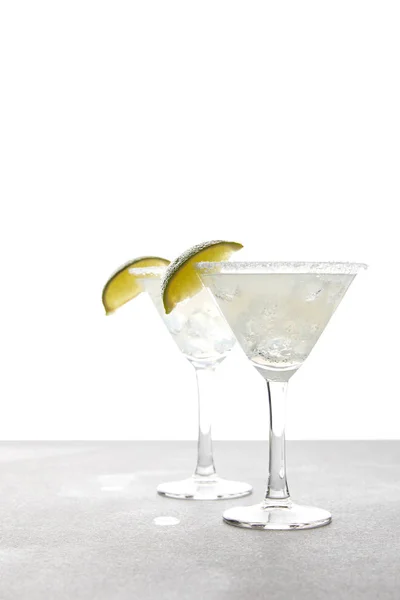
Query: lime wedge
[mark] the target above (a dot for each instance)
(122, 286)
(181, 280)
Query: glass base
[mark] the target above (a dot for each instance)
(277, 515)
(200, 487)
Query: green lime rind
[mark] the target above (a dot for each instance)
(122, 287)
(181, 281)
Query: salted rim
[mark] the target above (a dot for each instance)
(346, 268)
(155, 272)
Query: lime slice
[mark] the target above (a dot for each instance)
(122, 286)
(181, 280)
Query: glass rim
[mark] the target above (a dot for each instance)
(328, 268)
(148, 272)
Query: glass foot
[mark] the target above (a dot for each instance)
(204, 488)
(277, 515)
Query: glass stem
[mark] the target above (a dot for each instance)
(277, 488)
(206, 393)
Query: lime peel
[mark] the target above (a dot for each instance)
(181, 280)
(122, 286)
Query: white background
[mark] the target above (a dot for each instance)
(135, 127)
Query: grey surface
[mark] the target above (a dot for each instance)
(76, 522)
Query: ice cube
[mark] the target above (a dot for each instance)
(175, 322)
(313, 294)
(227, 292)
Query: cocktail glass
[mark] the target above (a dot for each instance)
(205, 339)
(277, 312)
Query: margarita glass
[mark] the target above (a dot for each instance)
(277, 312)
(202, 335)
